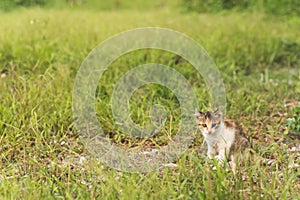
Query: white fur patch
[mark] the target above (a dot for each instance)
(220, 139)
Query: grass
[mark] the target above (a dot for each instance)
(42, 156)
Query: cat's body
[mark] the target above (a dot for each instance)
(225, 139)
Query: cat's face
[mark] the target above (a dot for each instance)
(208, 122)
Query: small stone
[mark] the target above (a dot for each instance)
(170, 165)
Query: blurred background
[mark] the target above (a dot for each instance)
(274, 7)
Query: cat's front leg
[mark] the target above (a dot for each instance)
(211, 152)
(221, 157)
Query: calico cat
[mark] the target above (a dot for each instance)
(225, 139)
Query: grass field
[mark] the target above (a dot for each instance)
(42, 156)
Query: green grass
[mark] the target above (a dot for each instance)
(282, 8)
(41, 152)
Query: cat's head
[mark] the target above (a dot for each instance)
(208, 121)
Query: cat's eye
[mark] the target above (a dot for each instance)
(213, 125)
(204, 125)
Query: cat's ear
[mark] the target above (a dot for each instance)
(218, 113)
(197, 113)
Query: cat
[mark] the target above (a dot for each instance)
(224, 138)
